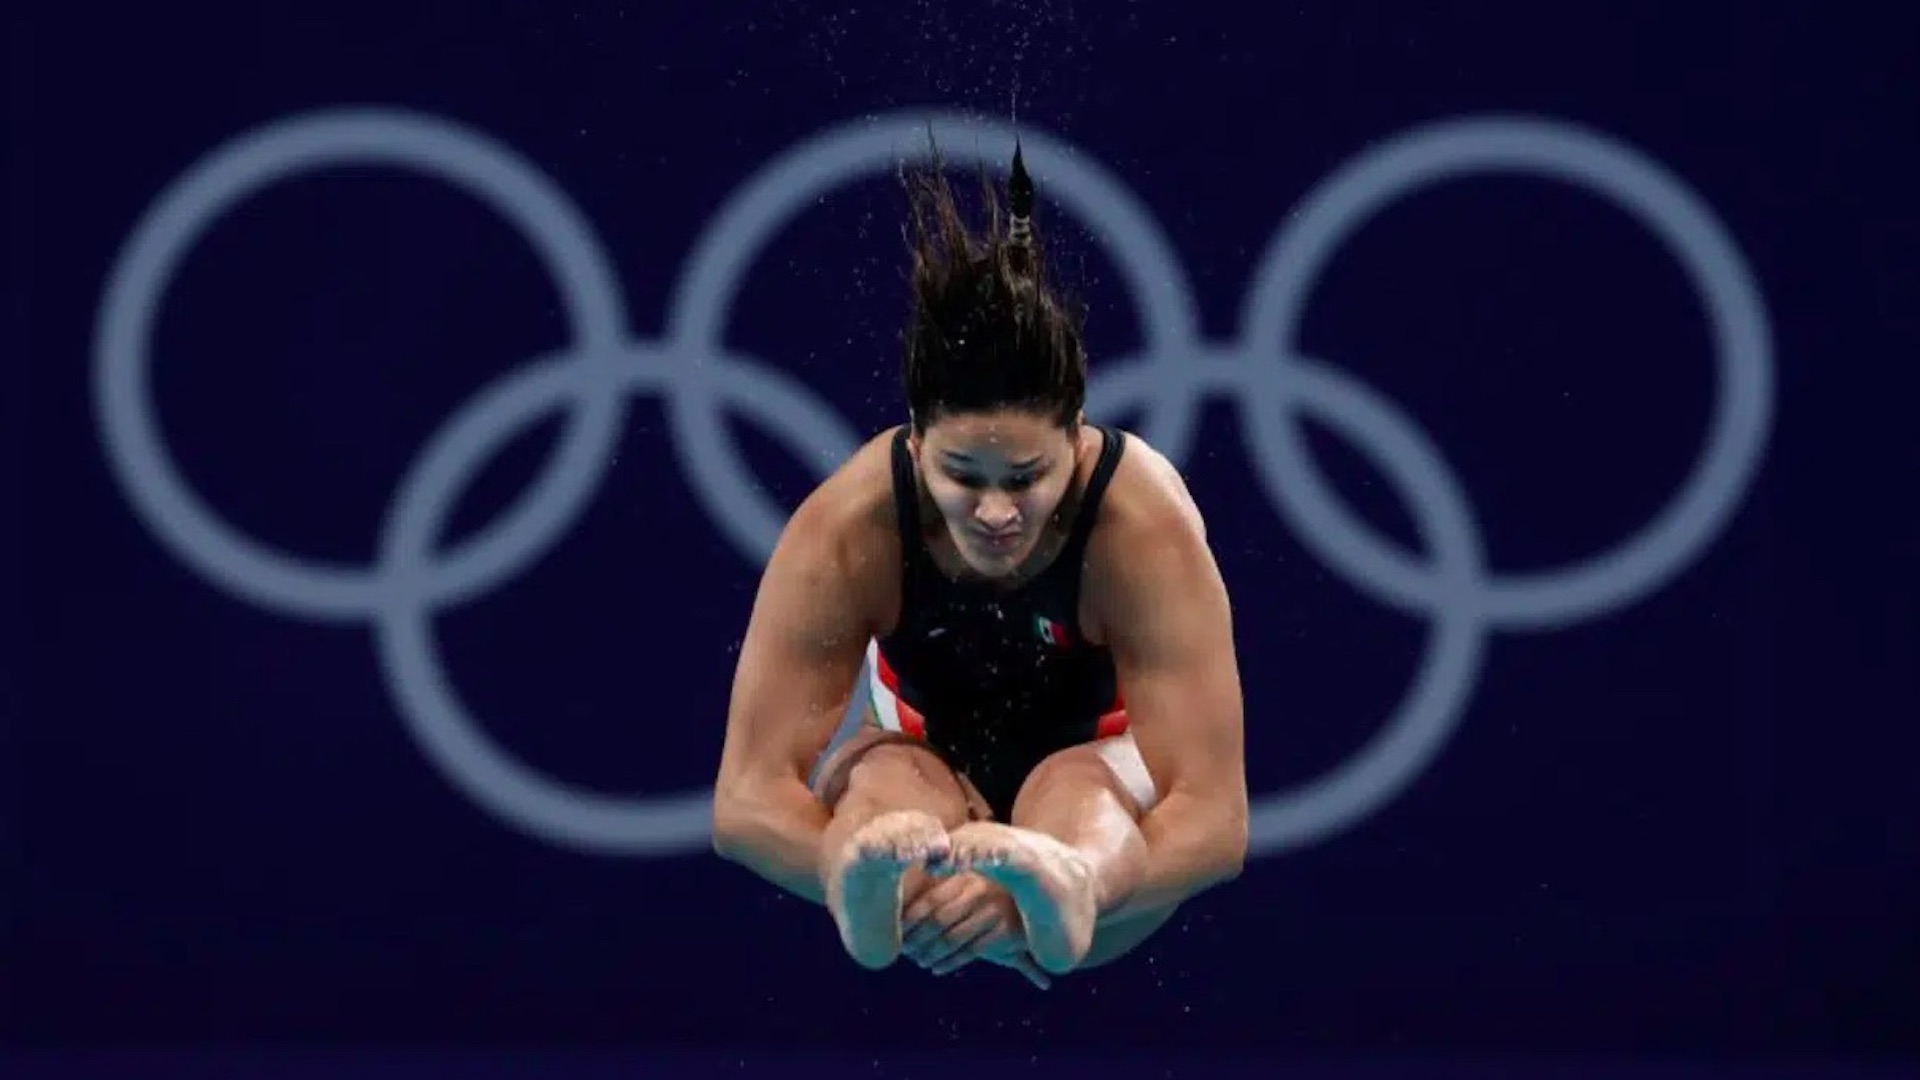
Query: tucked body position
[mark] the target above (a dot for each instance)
(1023, 609)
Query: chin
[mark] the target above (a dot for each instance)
(993, 567)
(994, 562)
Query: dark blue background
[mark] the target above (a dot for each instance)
(1686, 828)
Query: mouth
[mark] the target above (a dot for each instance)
(1001, 542)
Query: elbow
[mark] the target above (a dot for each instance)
(1233, 846)
(1212, 834)
(731, 822)
(1234, 832)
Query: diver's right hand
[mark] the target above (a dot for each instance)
(952, 921)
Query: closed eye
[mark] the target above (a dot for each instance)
(1012, 483)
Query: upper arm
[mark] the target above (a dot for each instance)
(1164, 612)
(802, 652)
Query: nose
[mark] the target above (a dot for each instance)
(996, 513)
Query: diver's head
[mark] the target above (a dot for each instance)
(994, 371)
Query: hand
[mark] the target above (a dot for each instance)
(950, 922)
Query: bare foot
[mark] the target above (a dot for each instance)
(1050, 883)
(863, 881)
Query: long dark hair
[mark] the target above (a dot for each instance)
(986, 331)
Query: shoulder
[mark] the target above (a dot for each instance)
(1147, 502)
(847, 527)
(1149, 541)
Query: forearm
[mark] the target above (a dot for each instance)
(1191, 845)
(774, 831)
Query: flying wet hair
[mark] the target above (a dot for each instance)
(987, 331)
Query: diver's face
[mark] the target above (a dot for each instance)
(996, 478)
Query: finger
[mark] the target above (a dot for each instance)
(924, 941)
(930, 940)
(964, 937)
(938, 916)
(918, 910)
(961, 957)
(917, 886)
(962, 898)
(1035, 974)
(927, 943)
(953, 964)
(926, 902)
(937, 941)
(913, 941)
(920, 938)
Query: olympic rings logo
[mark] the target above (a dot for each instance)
(1263, 372)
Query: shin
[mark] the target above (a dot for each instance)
(879, 773)
(892, 805)
(1074, 797)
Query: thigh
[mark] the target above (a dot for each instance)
(1112, 941)
(865, 744)
(1092, 797)
(1110, 770)
(874, 756)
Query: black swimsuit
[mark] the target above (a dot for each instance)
(996, 679)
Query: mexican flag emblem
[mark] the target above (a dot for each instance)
(1051, 632)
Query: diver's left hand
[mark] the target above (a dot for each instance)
(953, 921)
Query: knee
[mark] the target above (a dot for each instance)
(1071, 782)
(902, 776)
(889, 764)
